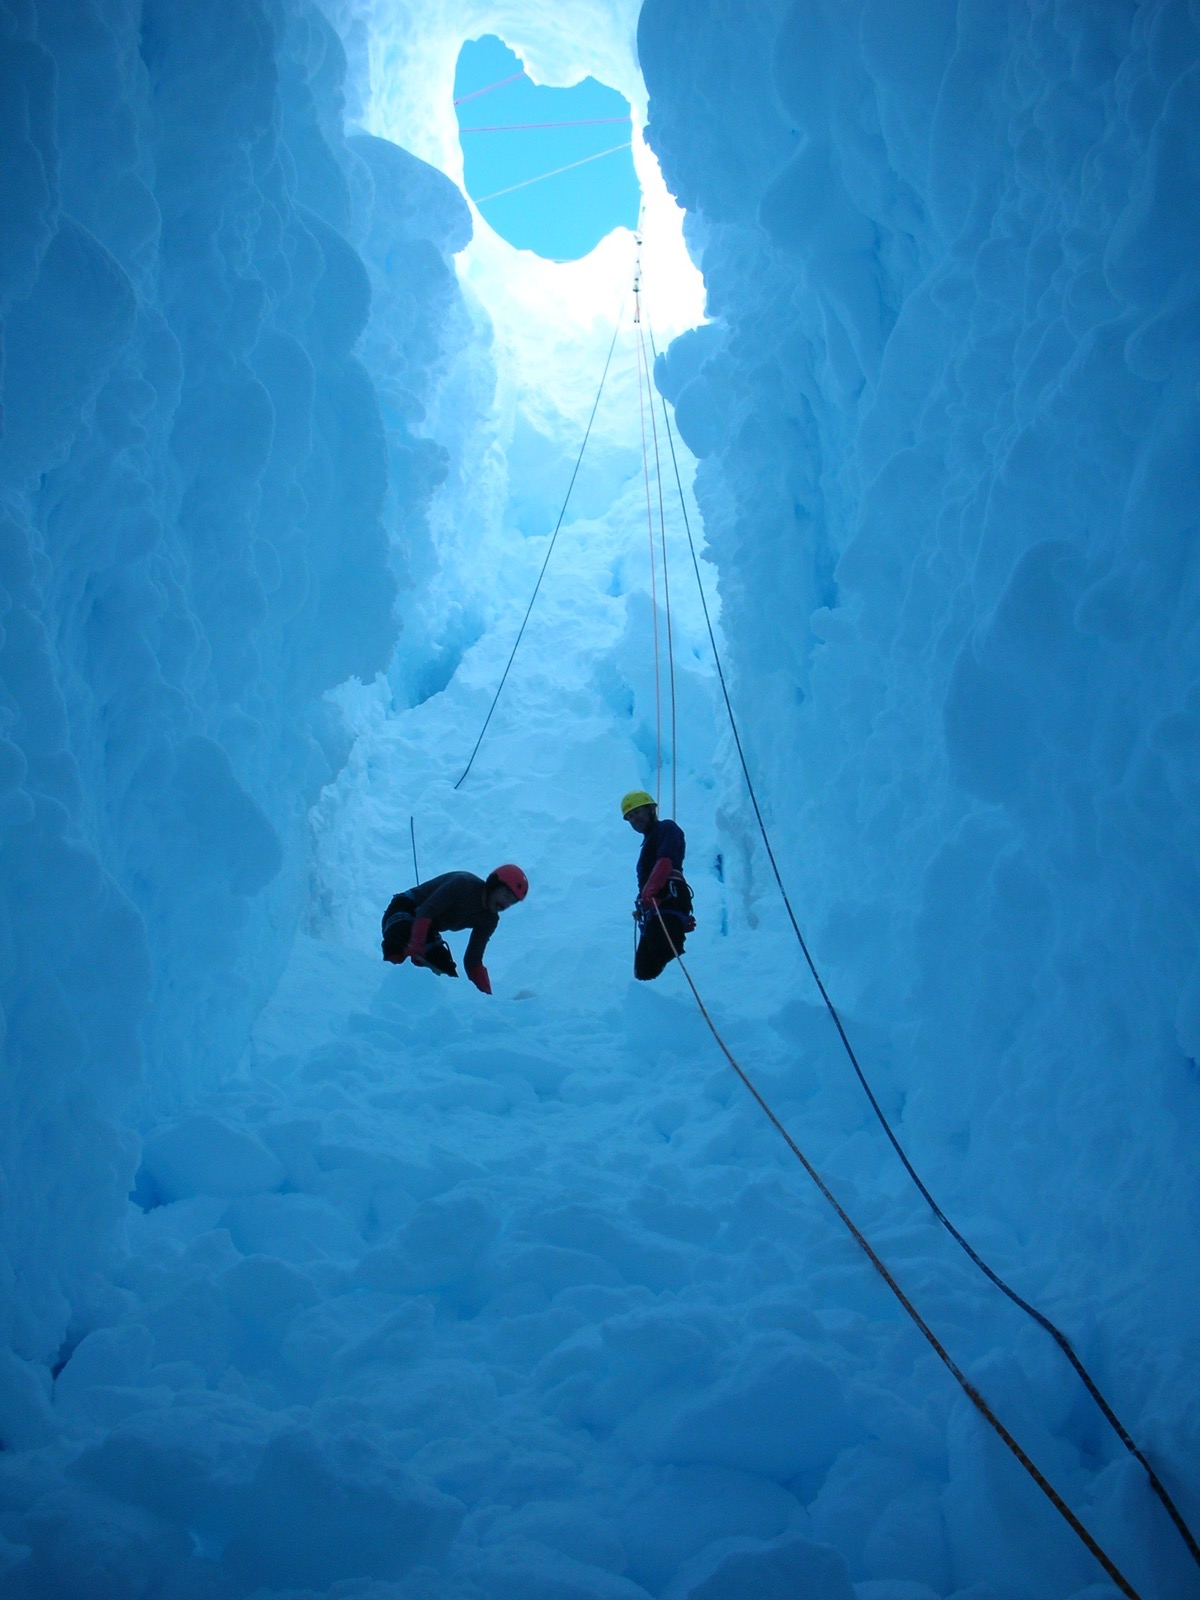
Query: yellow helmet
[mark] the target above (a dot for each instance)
(634, 799)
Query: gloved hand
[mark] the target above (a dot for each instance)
(657, 881)
(417, 942)
(479, 977)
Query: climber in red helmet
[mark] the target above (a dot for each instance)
(414, 921)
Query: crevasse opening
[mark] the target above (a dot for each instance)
(552, 167)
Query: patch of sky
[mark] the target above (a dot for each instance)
(550, 169)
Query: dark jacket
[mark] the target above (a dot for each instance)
(664, 839)
(452, 901)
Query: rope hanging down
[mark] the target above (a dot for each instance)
(644, 372)
(943, 1355)
(650, 532)
(550, 548)
(1044, 1322)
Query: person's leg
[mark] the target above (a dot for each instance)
(438, 956)
(663, 939)
(655, 949)
(397, 931)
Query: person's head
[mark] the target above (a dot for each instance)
(505, 885)
(639, 810)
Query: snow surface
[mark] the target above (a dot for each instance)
(324, 1278)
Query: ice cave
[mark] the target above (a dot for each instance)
(785, 413)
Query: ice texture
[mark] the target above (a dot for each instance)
(946, 414)
(201, 481)
(320, 1278)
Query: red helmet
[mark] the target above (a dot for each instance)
(512, 878)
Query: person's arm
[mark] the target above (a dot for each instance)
(657, 881)
(670, 859)
(476, 945)
(425, 917)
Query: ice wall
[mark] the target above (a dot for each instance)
(948, 420)
(207, 504)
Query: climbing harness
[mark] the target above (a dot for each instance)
(677, 892)
(397, 929)
(943, 1355)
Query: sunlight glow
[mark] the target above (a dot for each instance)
(552, 320)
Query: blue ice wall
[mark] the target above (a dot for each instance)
(947, 414)
(207, 503)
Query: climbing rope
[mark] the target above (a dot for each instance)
(487, 88)
(553, 173)
(550, 548)
(864, 1244)
(523, 127)
(644, 371)
(1044, 1322)
(650, 533)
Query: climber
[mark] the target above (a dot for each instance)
(662, 887)
(415, 920)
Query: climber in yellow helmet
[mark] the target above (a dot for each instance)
(663, 908)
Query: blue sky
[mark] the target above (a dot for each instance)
(564, 216)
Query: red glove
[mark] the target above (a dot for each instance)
(417, 941)
(479, 977)
(657, 881)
